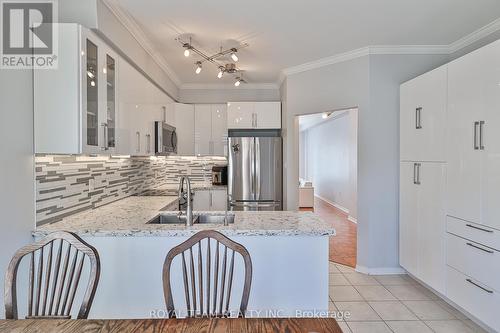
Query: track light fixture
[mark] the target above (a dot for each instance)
(221, 72)
(239, 80)
(233, 54)
(224, 68)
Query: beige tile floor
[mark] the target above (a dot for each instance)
(391, 303)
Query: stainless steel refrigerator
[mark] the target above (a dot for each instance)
(255, 171)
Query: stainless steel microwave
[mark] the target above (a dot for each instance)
(165, 139)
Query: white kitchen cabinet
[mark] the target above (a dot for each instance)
(219, 130)
(75, 105)
(219, 200)
(240, 115)
(423, 117)
(422, 221)
(202, 129)
(201, 200)
(254, 115)
(141, 104)
(473, 144)
(267, 115)
(183, 121)
(210, 200)
(408, 218)
(210, 129)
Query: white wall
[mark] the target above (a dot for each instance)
(17, 202)
(370, 83)
(329, 157)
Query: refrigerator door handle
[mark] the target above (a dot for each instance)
(252, 168)
(257, 169)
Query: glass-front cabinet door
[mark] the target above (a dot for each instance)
(91, 105)
(110, 123)
(99, 96)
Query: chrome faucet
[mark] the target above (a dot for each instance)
(186, 195)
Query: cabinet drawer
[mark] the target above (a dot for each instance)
(483, 304)
(475, 260)
(476, 232)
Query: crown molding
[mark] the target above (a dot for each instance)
(395, 49)
(474, 36)
(229, 86)
(130, 24)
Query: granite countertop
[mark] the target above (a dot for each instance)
(129, 217)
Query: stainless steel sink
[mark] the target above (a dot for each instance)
(201, 219)
(216, 219)
(168, 219)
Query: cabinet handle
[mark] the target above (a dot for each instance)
(105, 133)
(138, 149)
(478, 228)
(481, 134)
(418, 118)
(148, 143)
(480, 287)
(211, 200)
(479, 248)
(476, 124)
(416, 173)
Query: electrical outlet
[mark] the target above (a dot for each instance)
(91, 185)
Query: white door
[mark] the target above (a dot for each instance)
(267, 115)
(201, 200)
(490, 137)
(423, 117)
(219, 130)
(432, 225)
(465, 110)
(219, 200)
(240, 115)
(408, 217)
(203, 129)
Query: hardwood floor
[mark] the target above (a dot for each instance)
(342, 246)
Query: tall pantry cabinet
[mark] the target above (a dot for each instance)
(422, 177)
(459, 255)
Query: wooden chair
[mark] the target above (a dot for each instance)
(52, 287)
(211, 294)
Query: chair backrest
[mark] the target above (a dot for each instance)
(53, 284)
(209, 294)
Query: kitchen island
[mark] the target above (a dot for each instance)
(289, 253)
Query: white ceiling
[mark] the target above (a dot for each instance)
(288, 33)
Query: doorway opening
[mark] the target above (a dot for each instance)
(328, 143)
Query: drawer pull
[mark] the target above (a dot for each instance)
(478, 228)
(480, 287)
(479, 248)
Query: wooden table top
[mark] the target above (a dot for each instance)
(250, 325)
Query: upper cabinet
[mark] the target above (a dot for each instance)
(473, 142)
(210, 129)
(75, 105)
(422, 117)
(181, 116)
(254, 115)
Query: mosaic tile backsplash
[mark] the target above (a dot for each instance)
(67, 184)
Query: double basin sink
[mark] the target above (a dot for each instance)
(197, 219)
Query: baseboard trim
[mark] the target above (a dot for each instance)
(334, 204)
(380, 270)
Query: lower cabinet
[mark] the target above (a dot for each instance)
(210, 200)
(422, 222)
